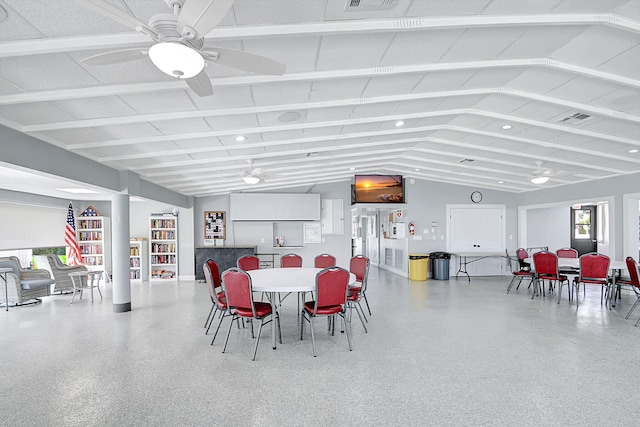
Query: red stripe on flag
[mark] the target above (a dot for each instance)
(70, 239)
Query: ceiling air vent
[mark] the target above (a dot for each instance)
(361, 5)
(575, 118)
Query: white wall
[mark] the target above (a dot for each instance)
(549, 227)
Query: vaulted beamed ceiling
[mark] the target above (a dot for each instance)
(491, 92)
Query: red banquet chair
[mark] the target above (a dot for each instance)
(248, 262)
(633, 283)
(568, 253)
(546, 265)
(518, 275)
(359, 266)
(218, 298)
(330, 300)
(324, 261)
(239, 293)
(290, 261)
(594, 270)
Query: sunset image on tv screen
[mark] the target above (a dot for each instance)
(378, 189)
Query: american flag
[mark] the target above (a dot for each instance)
(70, 239)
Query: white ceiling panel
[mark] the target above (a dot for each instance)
(596, 46)
(352, 51)
(454, 71)
(447, 7)
(326, 90)
(420, 47)
(482, 43)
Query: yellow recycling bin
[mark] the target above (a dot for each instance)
(418, 264)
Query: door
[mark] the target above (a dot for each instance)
(584, 230)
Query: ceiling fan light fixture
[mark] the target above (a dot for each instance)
(539, 179)
(176, 59)
(251, 179)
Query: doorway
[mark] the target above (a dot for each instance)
(584, 229)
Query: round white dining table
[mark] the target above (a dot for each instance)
(294, 279)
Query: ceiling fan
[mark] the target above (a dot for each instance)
(253, 175)
(540, 176)
(178, 37)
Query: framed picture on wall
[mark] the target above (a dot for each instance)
(214, 226)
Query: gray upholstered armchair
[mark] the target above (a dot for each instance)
(24, 285)
(59, 271)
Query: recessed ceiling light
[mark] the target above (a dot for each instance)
(633, 150)
(399, 123)
(289, 116)
(506, 127)
(500, 182)
(77, 190)
(352, 169)
(241, 138)
(417, 170)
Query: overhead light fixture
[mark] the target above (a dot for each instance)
(539, 179)
(399, 123)
(500, 182)
(506, 127)
(633, 151)
(251, 179)
(176, 59)
(417, 170)
(352, 169)
(240, 138)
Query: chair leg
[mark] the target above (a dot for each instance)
(220, 324)
(212, 315)
(632, 308)
(511, 283)
(255, 347)
(358, 309)
(366, 302)
(344, 326)
(228, 333)
(207, 322)
(313, 337)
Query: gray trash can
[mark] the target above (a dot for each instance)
(440, 265)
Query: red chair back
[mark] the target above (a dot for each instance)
(522, 254)
(324, 261)
(290, 261)
(359, 266)
(331, 287)
(632, 266)
(567, 253)
(215, 273)
(237, 287)
(594, 267)
(248, 263)
(546, 263)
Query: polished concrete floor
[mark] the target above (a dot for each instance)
(441, 353)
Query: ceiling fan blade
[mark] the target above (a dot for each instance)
(245, 61)
(203, 15)
(116, 56)
(200, 84)
(115, 13)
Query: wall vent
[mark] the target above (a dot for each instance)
(575, 118)
(361, 5)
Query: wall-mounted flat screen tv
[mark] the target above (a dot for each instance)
(378, 189)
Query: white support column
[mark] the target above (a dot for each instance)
(120, 253)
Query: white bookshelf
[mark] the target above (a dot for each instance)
(94, 239)
(163, 247)
(138, 261)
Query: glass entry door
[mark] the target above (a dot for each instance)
(584, 229)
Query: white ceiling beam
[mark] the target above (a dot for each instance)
(123, 89)
(132, 39)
